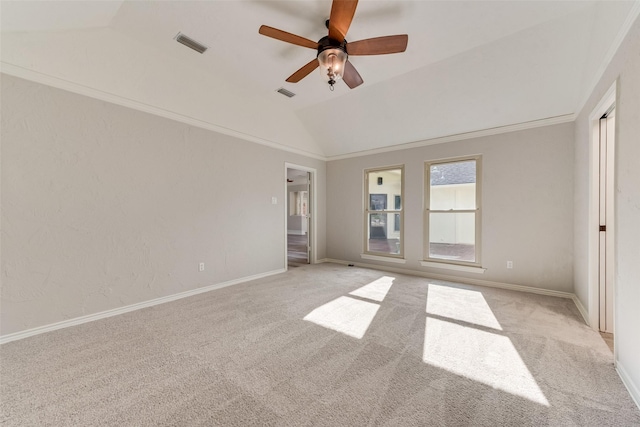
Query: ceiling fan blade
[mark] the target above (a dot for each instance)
(304, 71)
(342, 12)
(379, 45)
(287, 37)
(351, 76)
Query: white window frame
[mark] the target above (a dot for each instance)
(367, 254)
(477, 211)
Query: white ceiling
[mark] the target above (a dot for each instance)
(469, 65)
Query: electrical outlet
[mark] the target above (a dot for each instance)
(509, 264)
(274, 200)
(201, 266)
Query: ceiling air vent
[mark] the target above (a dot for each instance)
(286, 92)
(191, 43)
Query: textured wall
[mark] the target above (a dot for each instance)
(166, 82)
(527, 204)
(104, 206)
(625, 67)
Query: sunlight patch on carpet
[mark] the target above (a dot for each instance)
(376, 290)
(349, 316)
(481, 356)
(461, 304)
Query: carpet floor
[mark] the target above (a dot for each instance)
(323, 345)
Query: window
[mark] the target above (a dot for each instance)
(383, 215)
(452, 211)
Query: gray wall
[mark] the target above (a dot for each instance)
(625, 67)
(527, 205)
(104, 206)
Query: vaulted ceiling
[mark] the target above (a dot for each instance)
(469, 65)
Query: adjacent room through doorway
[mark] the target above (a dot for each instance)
(298, 217)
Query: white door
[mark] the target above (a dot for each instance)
(308, 220)
(299, 234)
(606, 244)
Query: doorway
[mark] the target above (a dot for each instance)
(601, 217)
(605, 241)
(298, 215)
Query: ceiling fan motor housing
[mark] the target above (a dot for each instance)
(332, 57)
(333, 51)
(327, 43)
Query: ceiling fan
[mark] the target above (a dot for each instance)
(334, 50)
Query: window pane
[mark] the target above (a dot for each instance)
(384, 233)
(452, 236)
(385, 189)
(383, 211)
(377, 202)
(453, 185)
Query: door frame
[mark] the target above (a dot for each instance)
(607, 102)
(313, 211)
(607, 237)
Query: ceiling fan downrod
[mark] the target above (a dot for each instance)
(333, 53)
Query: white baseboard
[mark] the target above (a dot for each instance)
(383, 258)
(633, 389)
(121, 310)
(458, 279)
(629, 384)
(114, 312)
(455, 267)
(583, 311)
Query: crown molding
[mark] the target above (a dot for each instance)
(48, 80)
(27, 74)
(462, 136)
(615, 45)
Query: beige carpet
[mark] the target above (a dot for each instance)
(323, 345)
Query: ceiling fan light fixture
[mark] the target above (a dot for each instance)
(332, 62)
(333, 53)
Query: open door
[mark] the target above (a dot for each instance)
(606, 274)
(299, 215)
(308, 217)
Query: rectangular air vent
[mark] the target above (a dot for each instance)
(286, 92)
(191, 43)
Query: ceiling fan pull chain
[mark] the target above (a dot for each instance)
(331, 76)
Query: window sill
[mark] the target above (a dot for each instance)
(383, 258)
(465, 268)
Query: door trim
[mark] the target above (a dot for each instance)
(605, 105)
(313, 199)
(607, 221)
